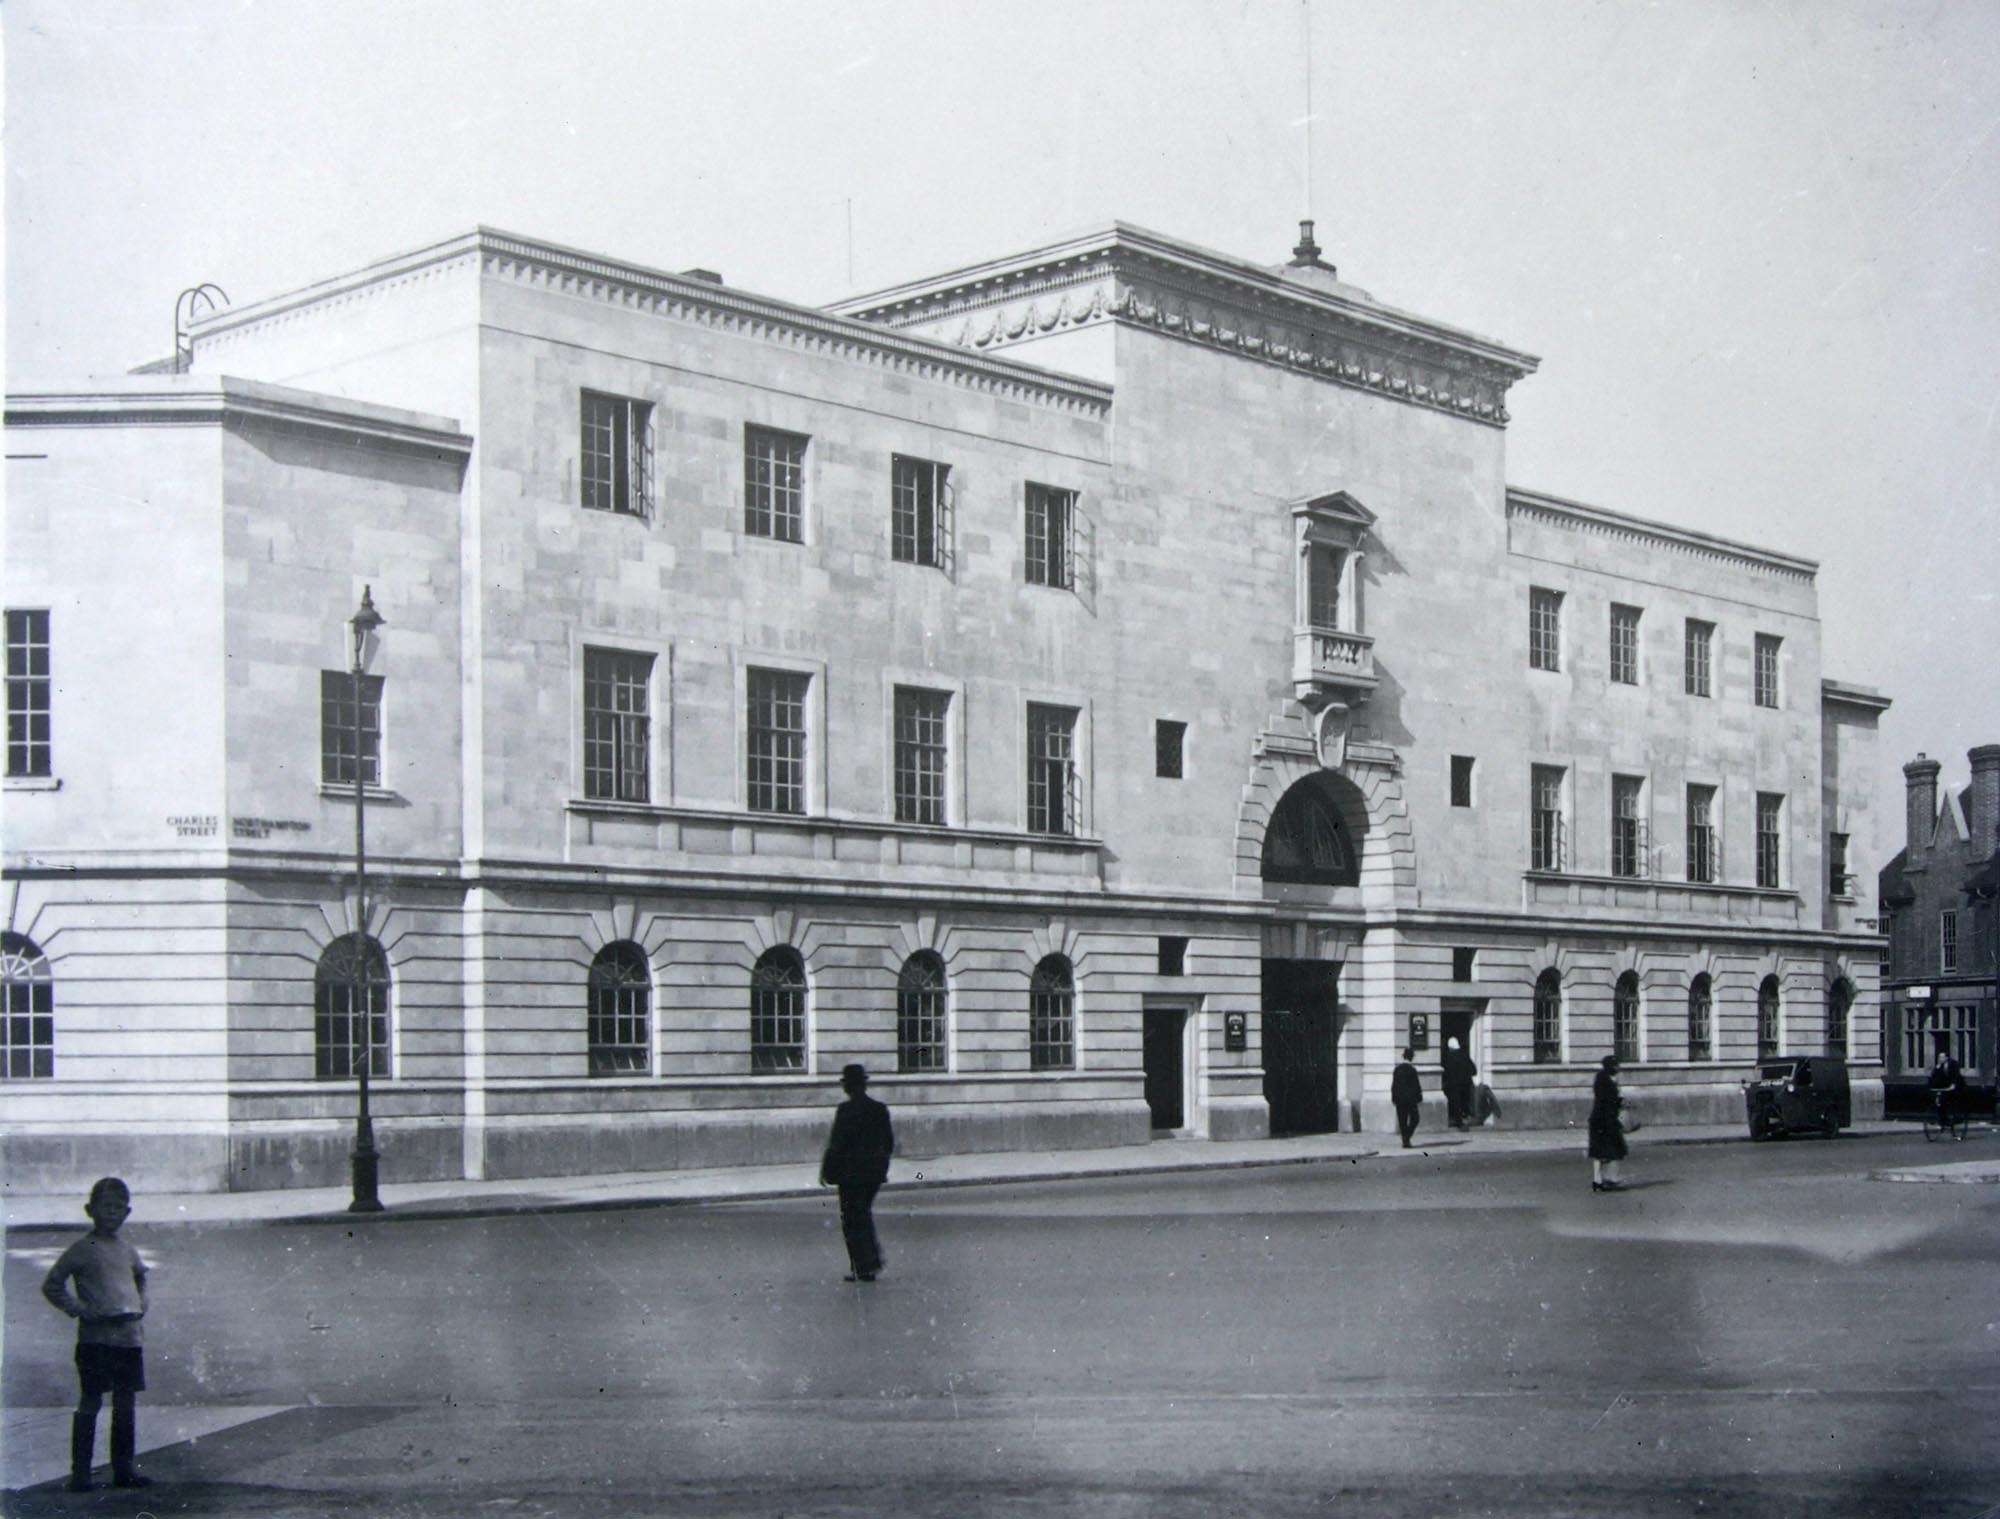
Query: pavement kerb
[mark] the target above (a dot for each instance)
(670, 1190)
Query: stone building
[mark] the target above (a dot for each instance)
(1938, 892)
(1106, 690)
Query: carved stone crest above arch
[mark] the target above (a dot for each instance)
(1288, 752)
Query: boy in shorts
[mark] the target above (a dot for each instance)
(108, 1303)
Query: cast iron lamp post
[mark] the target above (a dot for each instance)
(364, 623)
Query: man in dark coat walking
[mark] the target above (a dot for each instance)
(1406, 1091)
(857, 1162)
(1458, 1073)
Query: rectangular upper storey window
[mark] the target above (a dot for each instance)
(922, 753)
(344, 733)
(1697, 650)
(1053, 793)
(1628, 825)
(1548, 830)
(1544, 629)
(1051, 537)
(28, 742)
(920, 511)
(617, 725)
(774, 484)
(617, 469)
(1767, 669)
(1702, 863)
(1770, 839)
(1624, 645)
(777, 740)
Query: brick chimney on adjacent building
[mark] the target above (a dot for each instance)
(1983, 813)
(1920, 810)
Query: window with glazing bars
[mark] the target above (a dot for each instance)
(1948, 940)
(1701, 1013)
(618, 1028)
(1624, 645)
(1546, 824)
(1701, 861)
(1770, 838)
(1767, 1018)
(337, 729)
(920, 511)
(774, 484)
(1544, 628)
(1926, 1025)
(1548, 1017)
(778, 1012)
(617, 468)
(1051, 536)
(921, 719)
(1628, 825)
(1837, 882)
(920, 1014)
(27, 1011)
(1625, 1017)
(776, 737)
(1324, 566)
(1052, 1016)
(28, 751)
(617, 727)
(1052, 784)
(1767, 670)
(351, 1009)
(1696, 646)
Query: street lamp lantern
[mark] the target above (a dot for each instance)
(364, 623)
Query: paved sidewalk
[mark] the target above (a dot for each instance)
(478, 1199)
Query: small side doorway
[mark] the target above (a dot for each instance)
(1455, 1022)
(1166, 1066)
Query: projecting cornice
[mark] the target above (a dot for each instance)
(656, 293)
(1127, 274)
(218, 400)
(1577, 517)
(1841, 693)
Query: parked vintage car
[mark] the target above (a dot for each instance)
(1797, 1094)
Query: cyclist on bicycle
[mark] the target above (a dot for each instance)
(1947, 1086)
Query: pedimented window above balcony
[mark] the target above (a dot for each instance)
(1333, 657)
(1336, 520)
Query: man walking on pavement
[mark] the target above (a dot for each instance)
(1406, 1091)
(857, 1162)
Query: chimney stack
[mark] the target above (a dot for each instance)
(1920, 778)
(1984, 818)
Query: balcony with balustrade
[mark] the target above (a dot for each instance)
(1331, 664)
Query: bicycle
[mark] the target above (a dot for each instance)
(1945, 1119)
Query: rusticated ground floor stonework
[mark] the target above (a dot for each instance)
(547, 1025)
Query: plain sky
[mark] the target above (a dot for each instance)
(1754, 244)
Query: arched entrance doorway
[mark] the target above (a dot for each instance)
(1313, 840)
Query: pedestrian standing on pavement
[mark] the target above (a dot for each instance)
(1607, 1130)
(1406, 1091)
(1458, 1073)
(108, 1302)
(857, 1162)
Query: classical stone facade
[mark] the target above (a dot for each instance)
(1938, 895)
(1106, 690)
